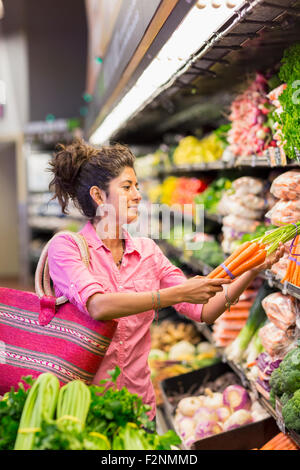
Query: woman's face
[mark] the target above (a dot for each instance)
(124, 196)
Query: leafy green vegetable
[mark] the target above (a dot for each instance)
(286, 378)
(211, 253)
(291, 412)
(211, 197)
(73, 403)
(259, 232)
(40, 405)
(222, 133)
(289, 119)
(255, 319)
(11, 407)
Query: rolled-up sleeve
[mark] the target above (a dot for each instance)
(169, 276)
(69, 274)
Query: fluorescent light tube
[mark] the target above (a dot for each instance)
(186, 40)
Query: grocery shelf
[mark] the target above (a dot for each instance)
(253, 161)
(252, 39)
(286, 287)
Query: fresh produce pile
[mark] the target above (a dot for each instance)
(77, 417)
(177, 190)
(288, 114)
(279, 442)
(242, 207)
(228, 326)
(285, 385)
(246, 347)
(211, 413)
(177, 349)
(250, 132)
(192, 150)
(210, 253)
(211, 197)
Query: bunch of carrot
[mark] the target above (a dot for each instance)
(245, 257)
(292, 274)
(280, 442)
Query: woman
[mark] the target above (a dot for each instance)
(128, 277)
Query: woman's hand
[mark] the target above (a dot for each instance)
(270, 260)
(199, 289)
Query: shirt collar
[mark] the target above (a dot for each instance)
(92, 238)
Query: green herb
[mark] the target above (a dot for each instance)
(222, 133)
(289, 119)
(11, 407)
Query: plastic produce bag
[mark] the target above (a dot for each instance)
(233, 204)
(287, 185)
(279, 268)
(275, 341)
(240, 224)
(280, 309)
(284, 212)
(246, 185)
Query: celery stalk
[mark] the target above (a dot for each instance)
(73, 404)
(40, 404)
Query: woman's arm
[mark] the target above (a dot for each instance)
(197, 290)
(216, 305)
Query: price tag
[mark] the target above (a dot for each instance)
(279, 418)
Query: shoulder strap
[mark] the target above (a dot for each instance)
(42, 276)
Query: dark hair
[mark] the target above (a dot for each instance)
(79, 166)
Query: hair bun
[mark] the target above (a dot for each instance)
(65, 166)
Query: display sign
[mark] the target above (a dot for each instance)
(133, 20)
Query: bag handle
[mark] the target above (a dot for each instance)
(42, 276)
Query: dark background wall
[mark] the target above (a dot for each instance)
(56, 33)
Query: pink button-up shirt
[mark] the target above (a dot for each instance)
(144, 268)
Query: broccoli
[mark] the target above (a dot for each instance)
(291, 412)
(285, 397)
(286, 378)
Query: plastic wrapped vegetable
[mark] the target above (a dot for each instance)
(246, 184)
(284, 212)
(236, 398)
(232, 204)
(287, 185)
(280, 309)
(241, 224)
(274, 340)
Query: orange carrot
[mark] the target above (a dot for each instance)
(214, 274)
(258, 259)
(244, 256)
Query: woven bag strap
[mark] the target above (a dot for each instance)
(42, 276)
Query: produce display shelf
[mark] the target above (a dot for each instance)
(253, 162)
(286, 288)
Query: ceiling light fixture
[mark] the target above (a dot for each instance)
(197, 27)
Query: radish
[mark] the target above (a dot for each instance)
(236, 398)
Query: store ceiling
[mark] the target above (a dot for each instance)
(202, 96)
(56, 34)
